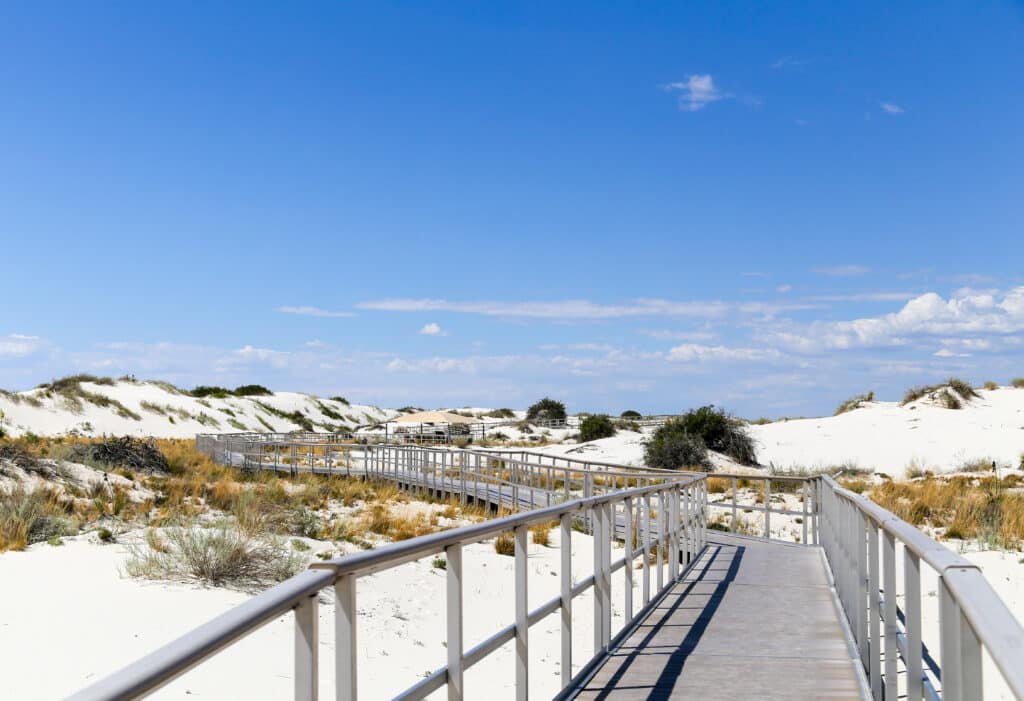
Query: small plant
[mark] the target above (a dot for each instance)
(300, 545)
(503, 413)
(541, 534)
(855, 403)
(596, 426)
(439, 563)
(630, 414)
(105, 535)
(251, 391)
(505, 544)
(1017, 382)
(340, 399)
(991, 386)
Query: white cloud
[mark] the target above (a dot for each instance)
(890, 108)
(18, 345)
(866, 297)
(926, 315)
(947, 353)
(700, 335)
(842, 270)
(697, 92)
(313, 311)
(432, 329)
(568, 309)
(695, 352)
(783, 289)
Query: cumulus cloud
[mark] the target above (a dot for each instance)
(696, 92)
(313, 311)
(926, 315)
(432, 329)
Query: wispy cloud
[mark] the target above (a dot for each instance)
(695, 352)
(432, 329)
(567, 309)
(842, 270)
(696, 92)
(787, 62)
(866, 297)
(890, 108)
(783, 289)
(18, 345)
(313, 311)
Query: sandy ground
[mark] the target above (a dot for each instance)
(96, 619)
(182, 415)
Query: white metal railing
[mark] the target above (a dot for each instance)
(860, 541)
(667, 519)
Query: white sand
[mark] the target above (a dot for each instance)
(183, 415)
(82, 616)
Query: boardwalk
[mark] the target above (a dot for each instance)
(752, 620)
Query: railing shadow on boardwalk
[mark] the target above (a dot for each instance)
(662, 687)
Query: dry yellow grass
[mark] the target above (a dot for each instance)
(505, 544)
(987, 508)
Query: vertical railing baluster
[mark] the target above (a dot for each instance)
(453, 567)
(346, 681)
(733, 524)
(803, 521)
(767, 508)
(647, 547)
(566, 599)
(522, 616)
(891, 629)
(875, 653)
(912, 614)
(660, 519)
(627, 536)
(307, 644)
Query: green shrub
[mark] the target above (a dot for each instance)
(501, 414)
(596, 426)
(211, 391)
(339, 399)
(630, 414)
(991, 385)
(251, 391)
(1017, 382)
(720, 432)
(673, 448)
(546, 409)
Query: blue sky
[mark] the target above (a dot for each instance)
(768, 207)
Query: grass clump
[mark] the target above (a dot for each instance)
(596, 426)
(505, 544)
(991, 385)
(854, 402)
(950, 395)
(503, 413)
(1017, 382)
(220, 556)
(542, 533)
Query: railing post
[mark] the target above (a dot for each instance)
(522, 616)
(889, 598)
(767, 508)
(860, 533)
(912, 613)
(734, 514)
(875, 653)
(661, 540)
(307, 644)
(346, 682)
(803, 521)
(627, 534)
(453, 566)
(566, 599)
(598, 535)
(647, 547)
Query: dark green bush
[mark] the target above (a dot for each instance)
(630, 414)
(672, 447)
(546, 409)
(596, 426)
(251, 391)
(718, 431)
(211, 391)
(501, 414)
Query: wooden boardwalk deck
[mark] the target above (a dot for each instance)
(751, 620)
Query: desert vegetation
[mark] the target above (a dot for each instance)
(854, 402)
(685, 441)
(596, 426)
(182, 516)
(952, 394)
(546, 409)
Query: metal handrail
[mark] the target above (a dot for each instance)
(972, 617)
(678, 539)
